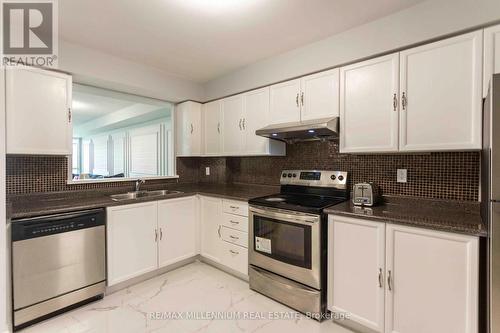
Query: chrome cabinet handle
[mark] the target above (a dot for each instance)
(156, 235)
(234, 222)
(244, 123)
(380, 278)
(404, 101)
(302, 99)
(395, 102)
(161, 234)
(192, 128)
(218, 231)
(240, 124)
(234, 207)
(234, 252)
(218, 128)
(297, 100)
(69, 115)
(389, 281)
(233, 237)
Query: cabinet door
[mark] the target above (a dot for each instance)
(320, 95)
(131, 241)
(212, 127)
(211, 217)
(491, 55)
(232, 120)
(177, 224)
(356, 264)
(441, 95)
(188, 120)
(38, 119)
(234, 257)
(368, 112)
(256, 116)
(433, 281)
(285, 102)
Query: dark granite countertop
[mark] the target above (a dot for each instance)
(22, 206)
(443, 215)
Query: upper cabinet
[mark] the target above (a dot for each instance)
(314, 96)
(212, 126)
(189, 129)
(491, 55)
(438, 101)
(319, 96)
(368, 105)
(232, 119)
(285, 102)
(38, 112)
(441, 95)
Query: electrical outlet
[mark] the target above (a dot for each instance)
(402, 175)
(207, 171)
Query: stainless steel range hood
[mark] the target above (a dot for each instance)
(309, 130)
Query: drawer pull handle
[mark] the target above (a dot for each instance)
(234, 252)
(234, 207)
(234, 222)
(233, 237)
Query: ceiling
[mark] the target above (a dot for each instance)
(203, 39)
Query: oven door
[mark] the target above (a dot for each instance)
(287, 243)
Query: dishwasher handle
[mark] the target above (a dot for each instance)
(58, 223)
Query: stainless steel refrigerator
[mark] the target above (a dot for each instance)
(490, 197)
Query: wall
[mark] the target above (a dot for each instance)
(427, 20)
(103, 70)
(444, 175)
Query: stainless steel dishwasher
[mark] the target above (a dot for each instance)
(58, 262)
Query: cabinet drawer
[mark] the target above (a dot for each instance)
(235, 222)
(235, 207)
(235, 257)
(235, 236)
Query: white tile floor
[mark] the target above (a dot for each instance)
(195, 288)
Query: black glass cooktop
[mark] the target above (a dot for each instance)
(298, 202)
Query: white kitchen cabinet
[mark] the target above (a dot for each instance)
(177, 228)
(131, 241)
(189, 129)
(319, 96)
(211, 218)
(491, 55)
(38, 112)
(285, 102)
(233, 138)
(441, 95)
(389, 282)
(235, 257)
(356, 268)
(368, 105)
(212, 127)
(434, 281)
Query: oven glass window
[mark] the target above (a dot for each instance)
(284, 241)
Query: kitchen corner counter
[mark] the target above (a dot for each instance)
(460, 217)
(30, 205)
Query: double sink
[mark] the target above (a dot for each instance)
(142, 194)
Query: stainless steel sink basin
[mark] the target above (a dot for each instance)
(142, 194)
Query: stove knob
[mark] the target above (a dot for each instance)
(289, 175)
(341, 178)
(284, 175)
(294, 175)
(332, 177)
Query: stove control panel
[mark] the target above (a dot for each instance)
(321, 178)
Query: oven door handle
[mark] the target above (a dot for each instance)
(302, 218)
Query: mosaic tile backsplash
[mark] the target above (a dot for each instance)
(444, 175)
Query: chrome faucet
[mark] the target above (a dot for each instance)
(138, 184)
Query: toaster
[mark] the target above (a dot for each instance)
(365, 194)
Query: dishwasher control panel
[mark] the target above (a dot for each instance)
(55, 224)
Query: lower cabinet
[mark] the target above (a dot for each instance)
(392, 278)
(178, 230)
(224, 233)
(131, 241)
